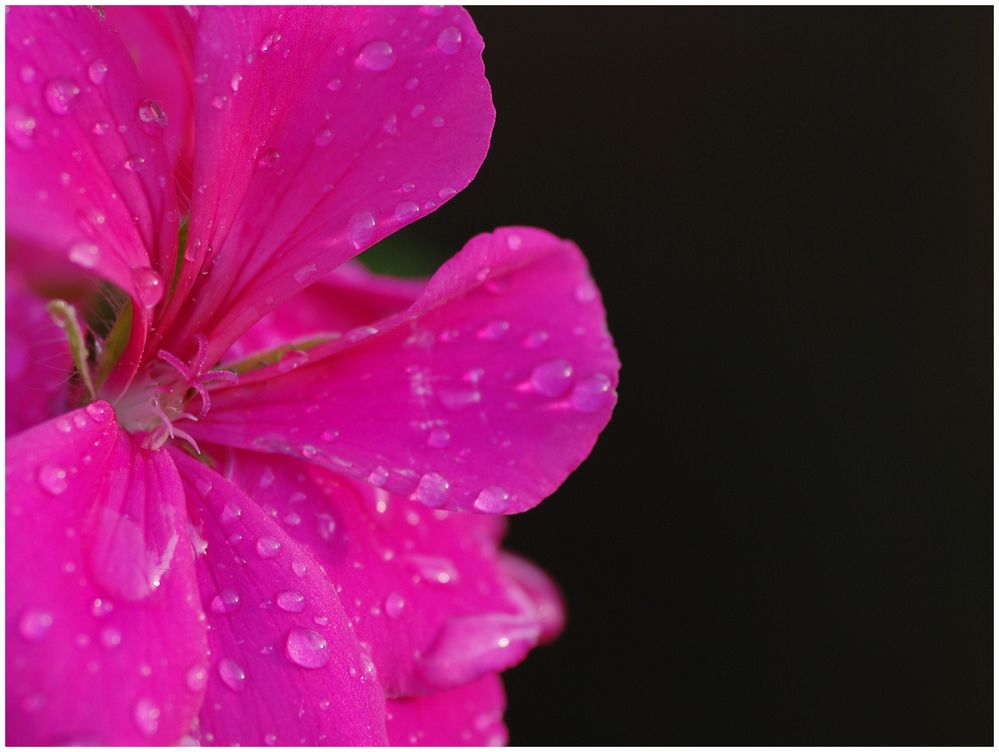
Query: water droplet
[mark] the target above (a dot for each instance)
(552, 378)
(535, 339)
(225, 602)
(299, 568)
(378, 477)
(147, 717)
(377, 56)
(266, 478)
(270, 739)
(585, 292)
(197, 678)
(405, 210)
(99, 411)
(52, 478)
(101, 607)
(334, 84)
(436, 569)
(432, 490)
(418, 109)
(361, 228)
(591, 393)
(408, 187)
(60, 94)
(324, 704)
(20, 126)
(110, 637)
(412, 83)
(269, 158)
(85, 254)
(27, 74)
(394, 604)
(135, 163)
(307, 648)
(458, 399)
(34, 624)
(290, 601)
(151, 114)
(325, 526)
(268, 547)
(449, 40)
(148, 286)
(438, 438)
(232, 675)
(330, 436)
(234, 82)
(324, 137)
(446, 192)
(492, 500)
(304, 272)
(218, 102)
(270, 42)
(391, 124)
(494, 331)
(437, 122)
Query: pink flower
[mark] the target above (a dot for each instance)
(300, 546)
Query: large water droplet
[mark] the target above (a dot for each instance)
(377, 56)
(361, 228)
(97, 71)
(34, 624)
(432, 490)
(394, 604)
(60, 94)
(438, 438)
(232, 675)
(406, 210)
(148, 286)
(492, 500)
(290, 601)
(552, 378)
(85, 254)
(591, 393)
(151, 114)
(197, 678)
(268, 547)
(20, 126)
(147, 717)
(52, 479)
(449, 40)
(225, 602)
(307, 648)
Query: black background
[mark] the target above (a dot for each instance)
(785, 534)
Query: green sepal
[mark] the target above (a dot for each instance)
(64, 315)
(115, 344)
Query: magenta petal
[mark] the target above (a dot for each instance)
(348, 297)
(87, 171)
(470, 715)
(320, 131)
(543, 595)
(287, 667)
(102, 613)
(38, 360)
(423, 588)
(482, 396)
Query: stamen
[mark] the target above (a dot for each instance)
(177, 363)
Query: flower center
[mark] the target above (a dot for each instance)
(163, 396)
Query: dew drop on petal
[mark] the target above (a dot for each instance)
(20, 126)
(449, 40)
(269, 158)
(225, 602)
(492, 500)
(458, 399)
(361, 228)
(552, 378)
(235, 81)
(405, 210)
(432, 490)
(135, 163)
(34, 624)
(592, 393)
(303, 273)
(438, 438)
(378, 477)
(585, 292)
(148, 286)
(110, 637)
(232, 675)
(85, 254)
(197, 678)
(394, 604)
(377, 56)
(52, 479)
(334, 84)
(268, 547)
(147, 717)
(150, 112)
(60, 94)
(307, 648)
(291, 601)
(535, 339)
(493, 331)
(299, 568)
(324, 137)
